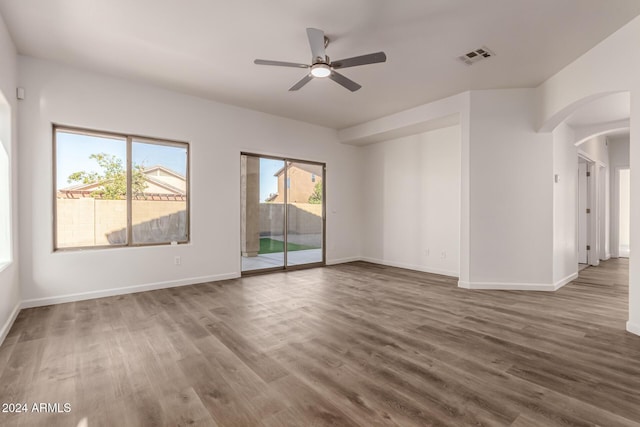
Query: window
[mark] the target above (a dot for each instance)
(5, 184)
(114, 190)
(5, 207)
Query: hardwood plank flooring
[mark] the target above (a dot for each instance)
(350, 345)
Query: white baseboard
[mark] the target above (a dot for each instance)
(634, 328)
(411, 267)
(560, 283)
(38, 302)
(506, 286)
(9, 323)
(343, 260)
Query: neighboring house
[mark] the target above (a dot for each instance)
(301, 182)
(161, 180)
(162, 183)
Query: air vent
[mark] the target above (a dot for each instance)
(474, 56)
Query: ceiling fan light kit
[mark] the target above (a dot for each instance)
(320, 70)
(321, 66)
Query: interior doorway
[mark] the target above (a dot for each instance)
(591, 212)
(584, 211)
(282, 213)
(603, 208)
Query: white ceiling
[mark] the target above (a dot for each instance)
(207, 47)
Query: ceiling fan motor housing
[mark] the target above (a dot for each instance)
(321, 60)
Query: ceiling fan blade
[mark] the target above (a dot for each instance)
(316, 41)
(371, 58)
(306, 79)
(343, 81)
(279, 63)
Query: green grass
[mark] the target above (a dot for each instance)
(269, 246)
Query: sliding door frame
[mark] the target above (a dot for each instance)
(286, 267)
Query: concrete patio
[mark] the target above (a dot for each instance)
(276, 259)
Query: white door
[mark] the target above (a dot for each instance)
(582, 212)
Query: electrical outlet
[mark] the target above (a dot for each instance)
(177, 260)
(443, 254)
(426, 252)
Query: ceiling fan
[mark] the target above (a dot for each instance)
(321, 66)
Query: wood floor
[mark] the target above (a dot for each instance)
(354, 344)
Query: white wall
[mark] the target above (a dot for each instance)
(611, 66)
(411, 201)
(217, 133)
(618, 151)
(9, 284)
(506, 227)
(565, 164)
(417, 120)
(623, 209)
(511, 193)
(618, 159)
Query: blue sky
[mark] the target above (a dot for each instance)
(73, 151)
(268, 182)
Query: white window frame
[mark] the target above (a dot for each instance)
(129, 138)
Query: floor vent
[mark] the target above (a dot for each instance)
(474, 56)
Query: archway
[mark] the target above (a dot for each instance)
(596, 132)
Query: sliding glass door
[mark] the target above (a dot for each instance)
(304, 213)
(282, 213)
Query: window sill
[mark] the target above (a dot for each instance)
(4, 265)
(114, 247)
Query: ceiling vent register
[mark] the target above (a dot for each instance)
(474, 56)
